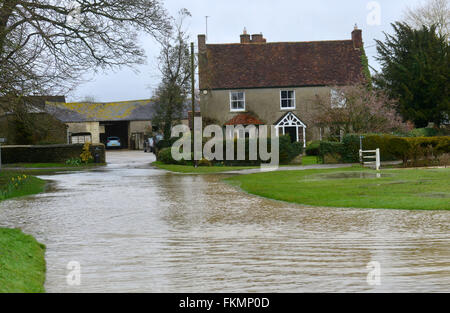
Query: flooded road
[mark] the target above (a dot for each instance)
(133, 228)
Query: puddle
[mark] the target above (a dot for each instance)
(348, 175)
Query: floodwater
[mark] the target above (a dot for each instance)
(133, 228)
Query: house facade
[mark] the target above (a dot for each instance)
(256, 82)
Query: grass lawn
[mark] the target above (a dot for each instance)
(22, 258)
(32, 185)
(309, 160)
(408, 189)
(22, 263)
(188, 169)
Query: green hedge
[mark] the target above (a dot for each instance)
(411, 150)
(48, 154)
(288, 152)
(313, 149)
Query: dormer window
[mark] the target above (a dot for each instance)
(287, 99)
(237, 101)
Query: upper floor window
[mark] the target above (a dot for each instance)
(287, 99)
(237, 101)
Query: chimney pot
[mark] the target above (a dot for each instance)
(258, 38)
(245, 38)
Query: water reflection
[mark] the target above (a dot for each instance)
(138, 229)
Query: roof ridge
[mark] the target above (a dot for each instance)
(278, 42)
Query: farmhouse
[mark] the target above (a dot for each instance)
(255, 82)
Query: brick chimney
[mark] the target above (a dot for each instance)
(202, 44)
(357, 38)
(258, 38)
(245, 38)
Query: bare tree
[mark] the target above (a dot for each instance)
(357, 109)
(175, 68)
(433, 12)
(46, 45)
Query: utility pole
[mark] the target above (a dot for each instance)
(207, 17)
(193, 96)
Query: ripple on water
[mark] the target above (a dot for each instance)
(137, 229)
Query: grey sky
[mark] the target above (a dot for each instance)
(278, 20)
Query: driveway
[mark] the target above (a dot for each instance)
(133, 228)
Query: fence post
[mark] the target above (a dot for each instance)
(2, 140)
(378, 160)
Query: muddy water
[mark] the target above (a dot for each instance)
(137, 229)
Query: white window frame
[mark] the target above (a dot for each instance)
(293, 100)
(231, 101)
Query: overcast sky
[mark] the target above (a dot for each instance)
(278, 20)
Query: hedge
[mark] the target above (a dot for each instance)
(48, 153)
(288, 152)
(313, 149)
(411, 150)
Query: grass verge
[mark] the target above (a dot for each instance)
(406, 189)
(188, 169)
(22, 263)
(31, 186)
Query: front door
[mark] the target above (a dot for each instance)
(292, 132)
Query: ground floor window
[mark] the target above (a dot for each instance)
(80, 138)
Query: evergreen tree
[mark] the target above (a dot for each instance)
(415, 70)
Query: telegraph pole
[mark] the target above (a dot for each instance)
(207, 17)
(193, 96)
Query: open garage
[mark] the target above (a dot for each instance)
(115, 129)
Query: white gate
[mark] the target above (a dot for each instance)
(375, 155)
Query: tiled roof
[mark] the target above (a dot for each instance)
(283, 64)
(140, 110)
(244, 119)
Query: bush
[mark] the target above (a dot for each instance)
(288, 152)
(313, 149)
(411, 150)
(74, 162)
(423, 132)
(331, 152)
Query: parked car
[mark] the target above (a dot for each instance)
(113, 142)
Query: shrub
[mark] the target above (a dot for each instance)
(331, 150)
(423, 132)
(411, 150)
(86, 155)
(288, 152)
(73, 162)
(204, 162)
(313, 149)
